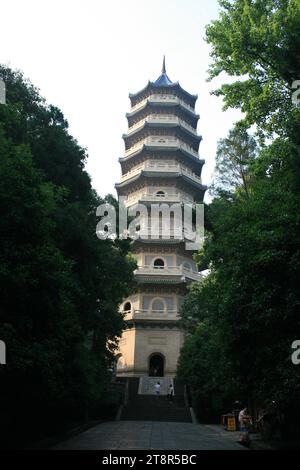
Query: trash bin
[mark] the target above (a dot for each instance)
(229, 422)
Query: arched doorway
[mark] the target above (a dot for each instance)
(156, 365)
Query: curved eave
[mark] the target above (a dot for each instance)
(198, 186)
(147, 174)
(160, 149)
(144, 279)
(161, 241)
(166, 322)
(135, 95)
(160, 174)
(197, 163)
(163, 104)
(151, 85)
(174, 242)
(162, 125)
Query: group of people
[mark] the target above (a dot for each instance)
(170, 393)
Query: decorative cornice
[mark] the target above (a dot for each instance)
(153, 246)
(195, 165)
(178, 289)
(162, 178)
(182, 137)
(153, 324)
(162, 125)
(142, 279)
(155, 149)
(149, 103)
(166, 289)
(166, 88)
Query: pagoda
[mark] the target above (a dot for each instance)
(161, 165)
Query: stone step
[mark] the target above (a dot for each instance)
(147, 385)
(151, 408)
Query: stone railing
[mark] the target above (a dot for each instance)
(162, 119)
(168, 271)
(176, 198)
(151, 314)
(170, 197)
(161, 142)
(162, 168)
(162, 99)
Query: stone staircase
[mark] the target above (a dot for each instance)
(147, 385)
(147, 407)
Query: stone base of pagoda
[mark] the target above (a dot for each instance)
(149, 349)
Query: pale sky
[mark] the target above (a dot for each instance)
(85, 56)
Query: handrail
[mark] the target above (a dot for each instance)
(172, 270)
(151, 314)
(161, 142)
(160, 99)
(161, 167)
(157, 119)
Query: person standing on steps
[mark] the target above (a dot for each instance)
(157, 389)
(170, 393)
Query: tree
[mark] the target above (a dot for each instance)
(250, 300)
(259, 41)
(245, 314)
(60, 286)
(235, 155)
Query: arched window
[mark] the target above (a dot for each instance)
(158, 304)
(127, 307)
(160, 194)
(159, 263)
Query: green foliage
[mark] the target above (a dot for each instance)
(244, 317)
(258, 41)
(60, 286)
(234, 158)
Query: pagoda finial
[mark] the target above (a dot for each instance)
(164, 65)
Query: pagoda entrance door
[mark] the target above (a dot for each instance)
(156, 365)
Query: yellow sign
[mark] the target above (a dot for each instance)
(231, 426)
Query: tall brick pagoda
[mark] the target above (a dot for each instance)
(161, 165)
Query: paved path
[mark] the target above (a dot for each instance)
(147, 435)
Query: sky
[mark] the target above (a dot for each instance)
(86, 56)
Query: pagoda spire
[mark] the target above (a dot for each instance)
(163, 70)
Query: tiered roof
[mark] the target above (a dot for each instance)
(163, 83)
